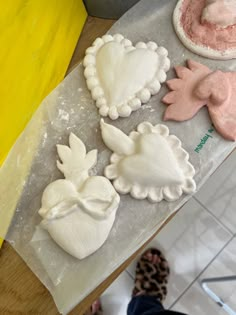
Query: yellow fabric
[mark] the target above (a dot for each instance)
(37, 39)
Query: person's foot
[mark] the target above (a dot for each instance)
(152, 273)
(95, 309)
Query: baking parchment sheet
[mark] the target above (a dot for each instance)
(31, 165)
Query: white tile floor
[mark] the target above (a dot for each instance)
(223, 265)
(219, 193)
(200, 242)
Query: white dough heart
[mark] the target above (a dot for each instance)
(151, 164)
(117, 80)
(79, 234)
(121, 77)
(148, 163)
(78, 211)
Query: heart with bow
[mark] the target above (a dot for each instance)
(78, 211)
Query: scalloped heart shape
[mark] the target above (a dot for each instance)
(149, 163)
(121, 77)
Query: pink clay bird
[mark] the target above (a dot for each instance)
(198, 86)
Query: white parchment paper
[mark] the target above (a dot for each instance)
(31, 165)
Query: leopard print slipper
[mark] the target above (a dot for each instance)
(95, 309)
(152, 273)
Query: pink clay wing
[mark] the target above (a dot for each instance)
(183, 103)
(199, 86)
